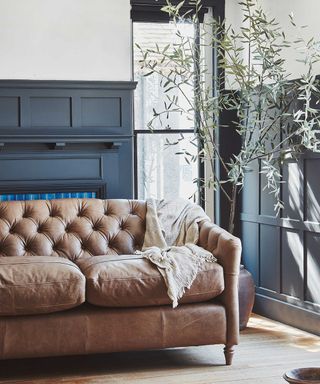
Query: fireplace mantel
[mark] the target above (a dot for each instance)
(66, 133)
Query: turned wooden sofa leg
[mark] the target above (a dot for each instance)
(228, 353)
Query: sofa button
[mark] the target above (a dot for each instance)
(81, 213)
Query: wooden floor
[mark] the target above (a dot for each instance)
(267, 350)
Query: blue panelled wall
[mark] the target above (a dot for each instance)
(66, 139)
(283, 252)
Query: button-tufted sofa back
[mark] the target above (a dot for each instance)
(71, 228)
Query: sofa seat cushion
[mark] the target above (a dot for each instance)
(39, 284)
(133, 281)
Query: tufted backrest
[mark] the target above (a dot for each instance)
(71, 228)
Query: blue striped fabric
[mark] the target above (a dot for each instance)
(48, 196)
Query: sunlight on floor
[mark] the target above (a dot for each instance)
(294, 337)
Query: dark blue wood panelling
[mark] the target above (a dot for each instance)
(62, 136)
(267, 200)
(50, 166)
(250, 242)
(250, 201)
(288, 260)
(101, 111)
(312, 186)
(269, 258)
(9, 111)
(50, 107)
(50, 111)
(292, 268)
(313, 267)
(292, 191)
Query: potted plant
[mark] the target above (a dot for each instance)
(276, 116)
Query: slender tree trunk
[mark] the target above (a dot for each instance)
(232, 212)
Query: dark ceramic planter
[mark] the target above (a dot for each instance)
(246, 296)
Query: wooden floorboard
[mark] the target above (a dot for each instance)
(267, 350)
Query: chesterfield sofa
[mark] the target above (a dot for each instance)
(71, 284)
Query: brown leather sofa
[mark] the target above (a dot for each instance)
(70, 283)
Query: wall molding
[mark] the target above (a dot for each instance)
(68, 84)
(287, 313)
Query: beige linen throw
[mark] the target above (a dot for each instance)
(172, 231)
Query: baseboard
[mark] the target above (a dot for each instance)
(287, 313)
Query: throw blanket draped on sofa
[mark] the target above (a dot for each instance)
(172, 232)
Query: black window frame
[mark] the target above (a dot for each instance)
(150, 11)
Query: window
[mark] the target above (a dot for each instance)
(161, 172)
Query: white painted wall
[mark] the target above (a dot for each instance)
(65, 39)
(306, 12)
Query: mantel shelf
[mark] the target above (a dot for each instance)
(46, 139)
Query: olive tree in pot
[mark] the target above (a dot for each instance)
(276, 115)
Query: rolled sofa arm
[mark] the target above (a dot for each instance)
(227, 249)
